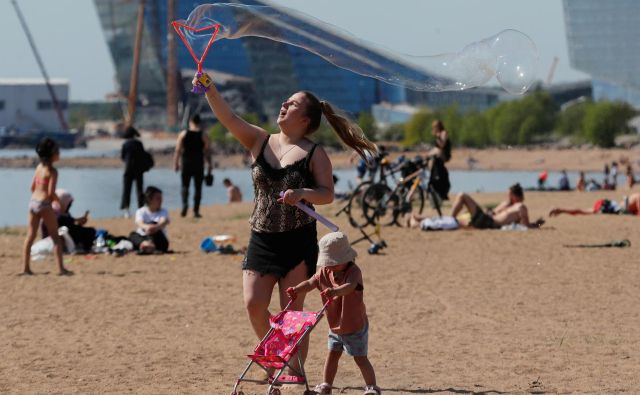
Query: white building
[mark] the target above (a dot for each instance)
(386, 114)
(26, 105)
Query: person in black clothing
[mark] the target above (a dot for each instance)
(192, 149)
(133, 157)
(440, 154)
(81, 234)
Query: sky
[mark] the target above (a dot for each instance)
(71, 42)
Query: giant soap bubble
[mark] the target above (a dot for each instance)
(510, 56)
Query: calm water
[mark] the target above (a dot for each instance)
(98, 190)
(64, 153)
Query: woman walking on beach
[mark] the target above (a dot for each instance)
(283, 245)
(192, 149)
(132, 155)
(43, 186)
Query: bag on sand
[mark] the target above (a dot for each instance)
(43, 248)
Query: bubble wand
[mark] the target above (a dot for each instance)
(314, 214)
(203, 79)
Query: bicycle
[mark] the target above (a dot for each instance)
(381, 204)
(353, 209)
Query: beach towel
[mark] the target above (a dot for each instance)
(514, 226)
(439, 223)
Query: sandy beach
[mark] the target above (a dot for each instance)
(465, 311)
(535, 159)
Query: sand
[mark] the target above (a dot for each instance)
(456, 312)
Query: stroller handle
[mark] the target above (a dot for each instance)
(324, 307)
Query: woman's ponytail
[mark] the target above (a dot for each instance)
(349, 132)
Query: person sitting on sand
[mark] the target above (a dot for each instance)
(581, 184)
(82, 235)
(152, 220)
(628, 205)
(513, 210)
(233, 192)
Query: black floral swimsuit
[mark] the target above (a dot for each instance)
(282, 236)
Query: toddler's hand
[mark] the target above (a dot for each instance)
(292, 293)
(328, 293)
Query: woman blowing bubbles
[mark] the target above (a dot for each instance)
(283, 244)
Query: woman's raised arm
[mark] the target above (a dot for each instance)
(250, 136)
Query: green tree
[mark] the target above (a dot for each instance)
(218, 134)
(393, 132)
(368, 125)
(474, 131)
(417, 128)
(570, 122)
(603, 121)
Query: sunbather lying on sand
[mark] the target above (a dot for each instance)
(628, 205)
(513, 210)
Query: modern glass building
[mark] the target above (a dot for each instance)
(603, 38)
(276, 70)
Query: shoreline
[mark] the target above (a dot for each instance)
(498, 159)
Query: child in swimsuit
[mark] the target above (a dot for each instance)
(43, 188)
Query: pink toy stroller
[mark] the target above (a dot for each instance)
(280, 345)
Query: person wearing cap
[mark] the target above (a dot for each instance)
(339, 280)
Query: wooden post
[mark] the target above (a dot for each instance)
(172, 68)
(133, 83)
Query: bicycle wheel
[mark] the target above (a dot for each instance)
(357, 219)
(380, 204)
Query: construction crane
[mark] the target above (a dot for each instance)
(52, 93)
(552, 70)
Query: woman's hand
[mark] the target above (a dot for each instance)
(202, 81)
(291, 196)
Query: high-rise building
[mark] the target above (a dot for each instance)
(603, 42)
(276, 70)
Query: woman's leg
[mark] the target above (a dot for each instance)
(198, 177)
(32, 232)
(293, 278)
(51, 222)
(127, 180)
(140, 189)
(185, 180)
(257, 290)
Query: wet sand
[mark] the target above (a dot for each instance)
(450, 312)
